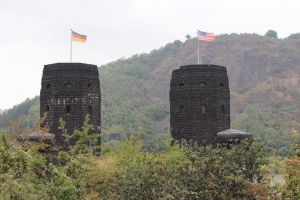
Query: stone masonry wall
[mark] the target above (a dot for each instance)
(70, 91)
(199, 103)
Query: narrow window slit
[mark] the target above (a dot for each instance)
(68, 109)
(223, 109)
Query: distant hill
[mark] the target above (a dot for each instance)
(1, 110)
(264, 76)
(29, 109)
(261, 70)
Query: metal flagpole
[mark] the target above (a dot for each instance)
(71, 48)
(198, 52)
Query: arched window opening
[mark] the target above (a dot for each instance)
(181, 85)
(202, 84)
(222, 84)
(89, 85)
(203, 109)
(68, 85)
(48, 85)
(223, 109)
(68, 109)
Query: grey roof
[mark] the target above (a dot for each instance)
(232, 134)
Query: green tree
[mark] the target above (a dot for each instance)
(21, 172)
(272, 34)
(27, 112)
(271, 132)
(291, 188)
(222, 173)
(26, 174)
(188, 37)
(191, 172)
(177, 43)
(85, 141)
(294, 36)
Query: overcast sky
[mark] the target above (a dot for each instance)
(37, 32)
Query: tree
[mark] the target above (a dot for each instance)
(177, 43)
(190, 172)
(271, 132)
(188, 37)
(291, 189)
(86, 141)
(272, 34)
(294, 36)
(25, 174)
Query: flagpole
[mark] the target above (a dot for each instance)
(198, 53)
(71, 48)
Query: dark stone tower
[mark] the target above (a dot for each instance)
(199, 103)
(70, 91)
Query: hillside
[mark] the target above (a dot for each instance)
(1, 111)
(261, 71)
(264, 76)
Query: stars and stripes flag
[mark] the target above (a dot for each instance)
(204, 36)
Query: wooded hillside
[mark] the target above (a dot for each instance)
(264, 76)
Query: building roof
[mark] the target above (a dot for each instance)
(233, 134)
(44, 136)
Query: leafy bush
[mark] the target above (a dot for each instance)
(190, 172)
(291, 190)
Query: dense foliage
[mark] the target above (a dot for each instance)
(191, 172)
(125, 105)
(28, 110)
(25, 174)
(274, 135)
(127, 172)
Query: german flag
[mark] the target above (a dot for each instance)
(77, 37)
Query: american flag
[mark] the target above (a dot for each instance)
(204, 36)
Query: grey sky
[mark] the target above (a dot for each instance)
(37, 32)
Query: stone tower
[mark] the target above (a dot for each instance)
(70, 91)
(199, 103)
